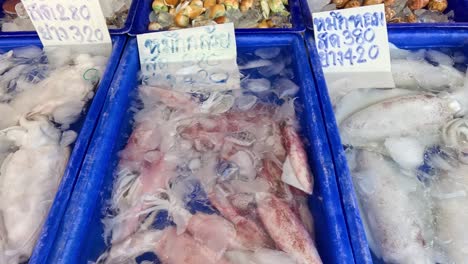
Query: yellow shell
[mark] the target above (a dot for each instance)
(397, 20)
(209, 3)
(389, 2)
(246, 5)
(352, 3)
(197, 3)
(417, 4)
(153, 26)
(194, 11)
(221, 20)
(263, 24)
(231, 4)
(389, 13)
(181, 20)
(372, 2)
(340, 3)
(217, 11)
(411, 18)
(158, 5)
(171, 2)
(437, 5)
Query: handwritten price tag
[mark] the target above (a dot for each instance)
(353, 46)
(191, 60)
(65, 22)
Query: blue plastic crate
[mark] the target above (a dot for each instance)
(416, 39)
(144, 10)
(460, 8)
(119, 31)
(81, 234)
(85, 126)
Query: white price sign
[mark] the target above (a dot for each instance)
(353, 45)
(194, 59)
(65, 22)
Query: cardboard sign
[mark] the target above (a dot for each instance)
(353, 47)
(191, 60)
(79, 24)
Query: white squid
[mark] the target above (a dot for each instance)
(394, 208)
(29, 178)
(450, 195)
(419, 115)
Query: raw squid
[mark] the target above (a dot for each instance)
(34, 92)
(420, 74)
(450, 194)
(360, 99)
(420, 115)
(408, 150)
(228, 169)
(31, 175)
(395, 209)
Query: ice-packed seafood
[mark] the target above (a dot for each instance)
(407, 150)
(215, 177)
(176, 14)
(396, 11)
(39, 100)
(16, 18)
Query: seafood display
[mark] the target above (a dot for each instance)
(17, 19)
(215, 176)
(396, 11)
(175, 14)
(407, 149)
(40, 98)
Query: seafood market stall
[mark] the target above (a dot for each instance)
(233, 131)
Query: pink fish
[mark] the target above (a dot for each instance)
(167, 245)
(286, 229)
(152, 95)
(296, 170)
(213, 231)
(272, 173)
(184, 249)
(301, 209)
(250, 234)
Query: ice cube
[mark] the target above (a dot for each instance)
(439, 57)
(257, 85)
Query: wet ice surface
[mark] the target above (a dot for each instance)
(38, 104)
(214, 177)
(115, 12)
(407, 151)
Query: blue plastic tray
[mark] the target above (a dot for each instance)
(144, 10)
(85, 126)
(119, 31)
(423, 38)
(460, 8)
(81, 234)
